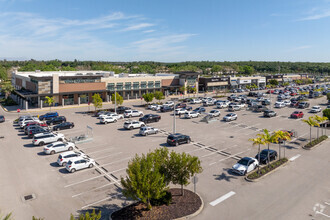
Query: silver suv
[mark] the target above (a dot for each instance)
(46, 138)
(132, 113)
(133, 124)
(148, 130)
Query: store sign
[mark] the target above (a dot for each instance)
(219, 79)
(79, 81)
(245, 81)
(262, 80)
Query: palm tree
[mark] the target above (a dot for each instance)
(49, 101)
(258, 141)
(320, 119)
(311, 122)
(267, 138)
(6, 217)
(7, 88)
(282, 135)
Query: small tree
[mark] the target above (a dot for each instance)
(311, 122)
(7, 88)
(159, 95)
(281, 135)
(326, 113)
(6, 217)
(273, 82)
(268, 138)
(144, 181)
(182, 167)
(328, 97)
(148, 97)
(88, 216)
(50, 101)
(119, 99)
(319, 120)
(97, 101)
(183, 89)
(258, 141)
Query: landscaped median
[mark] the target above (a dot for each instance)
(267, 169)
(315, 142)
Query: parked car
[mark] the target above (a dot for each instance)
(146, 130)
(63, 158)
(48, 116)
(133, 124)
(297, 114)
(121, 109)
(265, 102)
(64, 125)
(259, 108)
(176, 139)
(264, 156)
(180, 105)
(166, 108)
(199, 109)
(269, 113)
(2, 118)
(58, 147)
(214, 113)
(230, 117)
(222, 104)
(46, 138)
(303, 105)
(133, 113)
(245, 165)
(195, 101)
(180, 111)
(78, 163)
(279, 104)
(233, 108)
(191, 114)
(56, 120)
(287, 102)
(22, 123)
(316, 109)
(169, 103)
(150, 118)
(155, 107)
(36, 130)
(294, 104)
(108, 119)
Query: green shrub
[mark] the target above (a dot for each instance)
(8, 102)
(264, 170)
(316, 141)
(166, 199)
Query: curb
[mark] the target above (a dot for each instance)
(184, 217)
(311, 148)
(3, 108)
(256, 180)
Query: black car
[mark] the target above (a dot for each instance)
(199, 109)
(303, 105)
(259, 108)
(122, 109)
(180, 105)
(176, 139)
(64, 125)
(264, 156)
(166, 108)
(265, 102)
(2, 118)
(56, 120)
(37, 130)
(150, 118)
(269, 113)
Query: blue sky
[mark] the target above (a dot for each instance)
(165, 30)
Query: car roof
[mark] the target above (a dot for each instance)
(70, 152)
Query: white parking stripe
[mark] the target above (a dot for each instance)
(294, 157)
(200, 148)
(94, 203)
(99, 158)
(222, 198)
(229, 157)
(100, 187)
(115, 161)
(102, 145)
(219, 150)
(100, 150)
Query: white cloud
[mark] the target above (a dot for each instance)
(299, 48)
(148, 31)
(316, 14)
(138, 26)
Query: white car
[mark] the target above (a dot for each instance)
(180, 111)
(156, 107)
(144, 131)
(287, 102)
(195, 101)
(222, 104)
(107, 119)
(245, 165)
(316, 109)
(63, 158)
(27, 120)
(230, 117)
(133, 124)
(151, 106)
(234, 108)
(169, 103)
(46, 138)
(58, 146)
(191, 114)
(214, 113)
(133, 113)
(279, 105)
(79, 163)
(114, 115)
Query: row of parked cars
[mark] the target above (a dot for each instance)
(38, 129)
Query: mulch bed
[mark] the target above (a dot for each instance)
(180, 206)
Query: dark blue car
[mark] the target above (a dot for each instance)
(48, 116)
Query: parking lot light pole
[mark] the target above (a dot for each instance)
(115, 101)
(174, 120)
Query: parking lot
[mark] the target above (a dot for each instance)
(218, 144)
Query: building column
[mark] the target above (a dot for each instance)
(26, 105)
(79, 100)
(62, 102)
(41, 103)
(128, 96)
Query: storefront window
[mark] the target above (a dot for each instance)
(128, 86)
(150, 84)
(143, 85)
(157, 84)
(136, 85)
(111, 87)
(68, 99)
(119, 86)
(83, 98)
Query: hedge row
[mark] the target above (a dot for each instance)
(316, 141)
(266, 169)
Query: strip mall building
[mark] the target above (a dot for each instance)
(78, 87)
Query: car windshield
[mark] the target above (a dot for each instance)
(244, 161)
(70, 162)
(295, 112)
(264, 152)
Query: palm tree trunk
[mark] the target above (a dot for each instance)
(268, 156)
(317, 132)
(310, 135)
(279, 151)
(284, 148)
(181, 189)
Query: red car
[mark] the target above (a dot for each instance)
(293, 93)
(42, 124)
(297, 114)
(270, 91)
